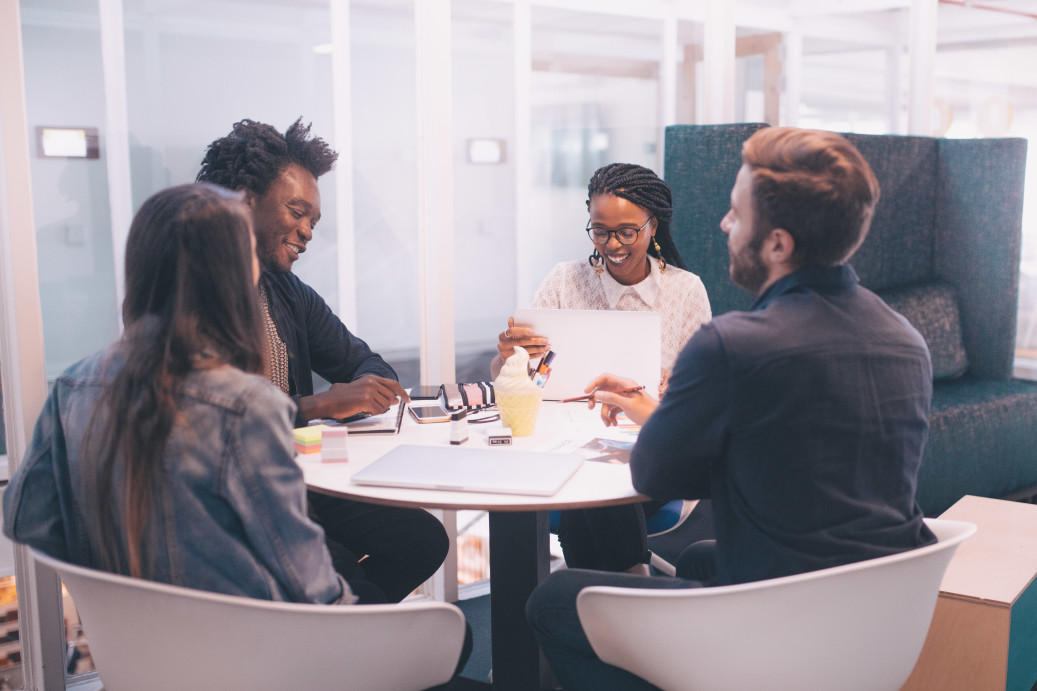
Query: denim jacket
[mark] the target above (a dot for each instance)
(229, 514)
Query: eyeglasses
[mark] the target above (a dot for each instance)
(626, 236)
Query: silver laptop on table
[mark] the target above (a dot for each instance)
(468, 469)
(587, 343)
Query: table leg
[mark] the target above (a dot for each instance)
(518, 562)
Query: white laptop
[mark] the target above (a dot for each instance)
(471, 469)
(587, 343)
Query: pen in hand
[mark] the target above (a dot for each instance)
(543, 370)
(591, 395)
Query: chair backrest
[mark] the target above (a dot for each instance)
(701, 164)
(950, 211)
(859, 626)
(148, 635)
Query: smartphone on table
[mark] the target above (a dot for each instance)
(429, 413)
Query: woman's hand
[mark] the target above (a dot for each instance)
(664, 383)
(512, 336)
(637, 405)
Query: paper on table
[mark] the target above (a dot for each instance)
(604, 444)
(606, 450)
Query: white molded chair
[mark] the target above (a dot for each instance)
(148, 635)
(859, 626)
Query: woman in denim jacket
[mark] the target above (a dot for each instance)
(168, 455)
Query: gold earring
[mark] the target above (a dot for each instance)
(596, 262)
(662, 262)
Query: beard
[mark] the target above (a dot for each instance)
(747, 269)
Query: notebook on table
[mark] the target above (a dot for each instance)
(463, 469)
(587, 343)
(388, 422)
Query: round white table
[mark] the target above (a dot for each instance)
(518, 523)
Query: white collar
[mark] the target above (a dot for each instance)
(647, 290)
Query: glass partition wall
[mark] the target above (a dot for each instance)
(64, 85)
(531, 95)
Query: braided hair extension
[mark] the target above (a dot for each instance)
(640, 186)
(254, 154)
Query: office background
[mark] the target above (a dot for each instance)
(422, 249)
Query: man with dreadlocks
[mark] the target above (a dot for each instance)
(278, 175)
(634, 266)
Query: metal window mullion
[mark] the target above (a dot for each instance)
(718, 61)
(668, 76)
(117, 141)
(922, 41)
(792, 68)
(342, 98)
(435, 189)
(525, 250)
(21, 353)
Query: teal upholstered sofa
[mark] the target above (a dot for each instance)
(944, 251)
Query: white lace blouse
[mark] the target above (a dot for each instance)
(677, 295)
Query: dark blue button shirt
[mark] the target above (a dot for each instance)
(804, 420)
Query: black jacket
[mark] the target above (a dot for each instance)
(316, 340)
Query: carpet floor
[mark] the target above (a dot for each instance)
(477, 613)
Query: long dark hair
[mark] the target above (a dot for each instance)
(190, 304)
(643, 187)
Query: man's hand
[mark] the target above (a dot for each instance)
(637, 405)
(523, 336)
(368, 394)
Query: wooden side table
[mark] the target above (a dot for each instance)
(984, 630)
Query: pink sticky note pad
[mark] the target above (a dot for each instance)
(333, 445)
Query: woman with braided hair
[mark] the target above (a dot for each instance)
(634, 265)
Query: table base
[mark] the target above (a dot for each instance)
(514, 572)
